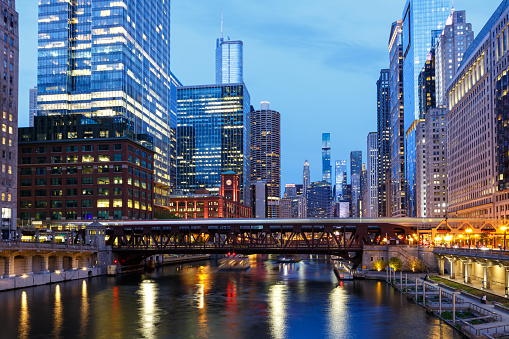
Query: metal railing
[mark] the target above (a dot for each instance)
(22, 245)
(472, 252)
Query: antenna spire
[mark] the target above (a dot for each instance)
(221, 25)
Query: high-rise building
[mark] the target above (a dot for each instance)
(355, 177)
(436, 163)
(266, 153)
(9, 119)
(111, 59)
(397, 135)
(477, 161)
(373, 172)
(32, 105)
(326, 162)
(340, 180)
(384, 140)
(427, 96)
(259, 199)
(451, 45)
(420, 170)
(319, 200)
(422, 19)
(290, 191)
(213, 137)
(306, 177)
(229, 60)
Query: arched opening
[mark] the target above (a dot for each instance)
(4, 266)
(38, 264)
(20, 265)
(52, 263)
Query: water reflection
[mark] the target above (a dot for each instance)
(84, 309)
(338, 321)
(148, 311)
(277, 310)
(24, 317)
(57, 314)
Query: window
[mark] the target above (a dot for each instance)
(117, 203)
(87, 148)
(104, 157)
(26, 161)
(26, 151)
(71, 203)
(117, 169)
(40, 171)
(56, 193)
(56, 203)
(40, 216)
(87, 191)
(40, 160)
(41, 204)
(143, 163)
(87, 203)
(56, 181)
(137, 205)
(72, 149)
(117, 191)
(143, 154)
(56, 215)
(87, 181)
(72, 215)
(40, 193)
(87, 170)
(25, 204)
(56, 159)
(87, 216)
(137, 161)
(72, 192)
(26, 182)
(71, 181)
(103, 181)
(117, 157)
(130, 158)
(103, 191)
(103, 147)
(117, 147)
(56, 149)
(102, 215)
(117, 180)
(136, 183)
(87, 158)
(25, 193)
(103, 169)
(137, 151)
(72, 170)
(26, 171)
(103, 203)
(40, 150)
(117, 214)
(25, 216)
(130, 148)
(72, 158)
(56, 170)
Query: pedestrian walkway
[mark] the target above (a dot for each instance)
(477, 284)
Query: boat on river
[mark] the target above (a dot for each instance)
(288, 259)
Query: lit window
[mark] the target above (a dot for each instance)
(103, 203)
(117, 203)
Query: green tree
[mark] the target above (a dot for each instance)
(395, 263)
(380, 265)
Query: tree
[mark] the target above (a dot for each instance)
(395, 263)
(380, 265)
(164, 214)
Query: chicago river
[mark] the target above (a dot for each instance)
(270, 300)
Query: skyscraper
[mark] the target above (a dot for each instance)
(266, 153)
(326, 162)
(372, 173)
(383, 142)
(229, 60)
(32, 105)
(421, 19)
(111, 59)
(355, 176)
(306, 176)
(340, 180)
(9, 119)
(457, 33)
(397, 135)
(213, 137)
(319, 200)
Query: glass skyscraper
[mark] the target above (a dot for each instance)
(111, 58)
(213, 136)
(326, 164)
(420, 19)
(355, 176)
(383, 143)
(340, 180)
(229, 61)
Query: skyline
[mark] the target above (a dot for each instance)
(339, 65)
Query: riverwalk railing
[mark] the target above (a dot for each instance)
(483, 253)
(22, 245)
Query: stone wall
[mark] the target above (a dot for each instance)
(406, 253)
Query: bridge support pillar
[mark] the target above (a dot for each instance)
(59, 263)
(441, 266)
(29, 267)
(12, 271)
(46, 263)
(467, 273)
(74, 262)
(506, 281)
(453, 268)
(486, 278)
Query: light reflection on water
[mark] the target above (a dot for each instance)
(302, 300)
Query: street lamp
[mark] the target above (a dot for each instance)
(468, 230)
(504, 228)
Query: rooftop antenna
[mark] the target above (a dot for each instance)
(452, 5)
(221, 25)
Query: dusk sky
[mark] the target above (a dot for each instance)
(317, 63)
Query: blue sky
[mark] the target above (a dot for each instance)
(317, 63)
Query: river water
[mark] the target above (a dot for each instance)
(270, 300)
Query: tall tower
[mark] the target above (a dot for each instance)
(306, 177)
(421, 19)
(326, 164)
(229, 60)
(105, 59)
(340, 180)
(383, 143)
(9, 119)
(356, 171)
(266, 153)
(32, 105)
(372, 176)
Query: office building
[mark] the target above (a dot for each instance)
(326, 162)
(427, 92)
(85, 66)
(420, 170)
(477, 125)
(355, 177)
(32, 105)
(306, 176)
(9, 119)
(451, 45)
(384, 140)
(290, 191)
(213, 137)
(266, 153)
(422, 20)
(78, 168)
(229, 60)
(319, 200)
(372, 200)
(436, 163)
(259, 199)
(341, 180)
(397, 135)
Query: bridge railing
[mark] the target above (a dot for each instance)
(472, 252)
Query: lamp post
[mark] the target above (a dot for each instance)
(504, 228)
(468, 230)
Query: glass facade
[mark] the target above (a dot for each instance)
(383, 142)
(111, 58)
(326, 165)
(229, 62)
(355, 171)
(319, 200)
(213, 136)
(340, 180)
